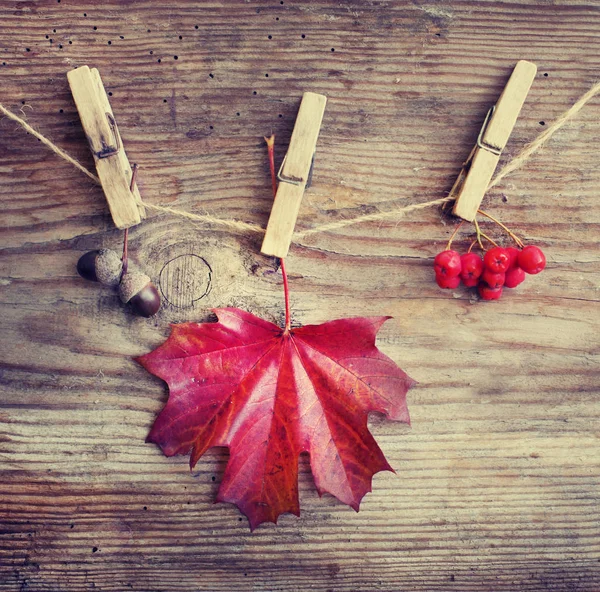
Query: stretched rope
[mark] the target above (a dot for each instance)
(511, 166)
(46, 142)
(237, 225)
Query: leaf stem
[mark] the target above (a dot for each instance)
(286, 292)
(286, 288)
(270, 149)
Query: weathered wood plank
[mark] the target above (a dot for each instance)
(498, 477)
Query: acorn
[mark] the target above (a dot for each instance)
(138, 290)
(103, 265)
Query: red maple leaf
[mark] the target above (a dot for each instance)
(269, 394)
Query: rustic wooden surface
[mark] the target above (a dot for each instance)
(497, 485)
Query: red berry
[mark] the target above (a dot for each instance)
(488, 293)
(447, 263)
(444, 281)
(471, 268)
(497, 259)
(514, 276)
(513, 254)
(532, 259)
(493, 279)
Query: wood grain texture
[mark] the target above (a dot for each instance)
(497, 484)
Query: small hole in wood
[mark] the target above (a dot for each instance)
(94, 549)
(254, 92)
(54, 30)
(236, 113)
(542, 123)
(85, 14)
(51, 40)
(47, 36)
(60, 46)
(148, 31)
(211, 75)
(95, 28)
(211, 127)
(158, 60)
(151, 52)
(70, 43)
(121, 37)
(22, 102)
(333, 49)
(281, 115)
(270, 37)
(303, 36)
(27, 49)
(110, 42)
(164, 100)
(546, 74)
(180, 37)
(266, 75)
(175, 57)
(195, 26)
(61, 111)
(110, 93)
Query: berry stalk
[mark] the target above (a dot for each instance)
(507, 230)
(453, 235)
(482, 234)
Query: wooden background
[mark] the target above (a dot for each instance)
(497, 485)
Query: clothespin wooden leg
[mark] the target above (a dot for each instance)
(105, 142)
(294, 175)
(497, 127)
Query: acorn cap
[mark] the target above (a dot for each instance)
(132, 283)
(109, 267)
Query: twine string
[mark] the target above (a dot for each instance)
(508, 168)
(46, 142)
(237, 225)
(231, 224)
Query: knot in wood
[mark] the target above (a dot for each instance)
(185, 279)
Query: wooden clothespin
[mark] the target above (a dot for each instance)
(294, 175)
(105, 142)
(477, 171)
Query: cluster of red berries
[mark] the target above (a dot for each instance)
(499, 268)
